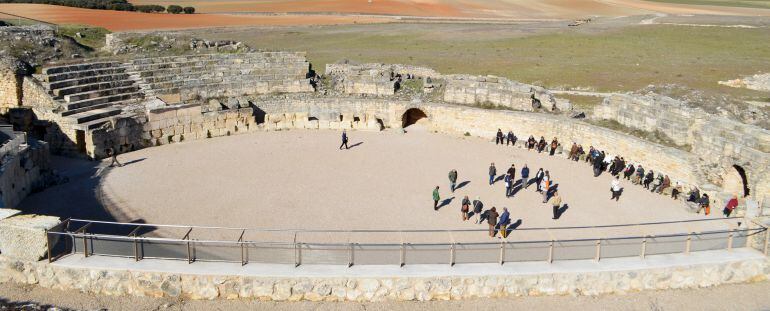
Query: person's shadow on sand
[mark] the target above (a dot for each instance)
(445, 202)
(356, 145)
(561, 211)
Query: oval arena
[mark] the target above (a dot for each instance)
(232, 184)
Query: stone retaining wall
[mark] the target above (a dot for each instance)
(198, 286)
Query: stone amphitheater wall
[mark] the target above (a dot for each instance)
(497, 91)
(719, 143)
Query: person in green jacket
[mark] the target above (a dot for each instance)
(436, 197)
(452, 180)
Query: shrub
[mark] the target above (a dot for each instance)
(174, 9)
(189, 10)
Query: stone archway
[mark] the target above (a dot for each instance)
(735, 181)
(412, 116)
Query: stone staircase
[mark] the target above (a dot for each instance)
(91, 94)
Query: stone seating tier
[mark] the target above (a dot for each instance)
(79, 67)
(102, 100)
(85, 80)
(93, 114)
(301, 65)
(235, 85)
(83, 74)
(100, 93)
(98, 86)
(271, 56)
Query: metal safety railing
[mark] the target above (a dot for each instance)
(131, 240)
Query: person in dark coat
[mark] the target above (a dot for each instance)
(465, 207)
(499, 137)
(554, 145)
(114, 155)
(492, 173)
(503, 222)
(524, 177)
(539, 178)
(648, 179)
(344, 140)
(452, 180)
(492, 221)
(629, 171)
(705, 204)
(510, 139)
(478, 206)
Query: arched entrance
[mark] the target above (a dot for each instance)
(735, 181)
(412, 116)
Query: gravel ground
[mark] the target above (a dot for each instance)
(735, 297)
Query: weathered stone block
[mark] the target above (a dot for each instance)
(23, 236)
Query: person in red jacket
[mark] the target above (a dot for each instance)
(731, 205)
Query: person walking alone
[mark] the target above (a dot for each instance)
(436, 197)
(492, 173)
(615, 188)
(508, 183)
(452, 180)
(499, 137)
(114, 155)
(344, 140)
(555, 202)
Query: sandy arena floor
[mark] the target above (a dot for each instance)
(300, 180)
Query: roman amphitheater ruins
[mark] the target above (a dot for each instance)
(233, 185)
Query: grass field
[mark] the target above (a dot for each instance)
(761, 4)
(626, 58)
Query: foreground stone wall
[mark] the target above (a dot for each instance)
(11, 75)
(195, 286)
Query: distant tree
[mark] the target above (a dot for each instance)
(189, 10)
(174, 9)
(154, 8)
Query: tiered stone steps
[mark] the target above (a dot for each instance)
(169, 75)
(92, 93)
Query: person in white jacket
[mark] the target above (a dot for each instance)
(615, 188)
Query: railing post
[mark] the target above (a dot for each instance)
(644, 247)
(730, 240)
(403, 254)
(550, 252)
(189, 253)
(452, 254)
(297, 254)
(351, 258)
(48, 245)
(85, 244)
(502, 252)
(688, 244)
(598, 250)
(243, 250)
(135, 239)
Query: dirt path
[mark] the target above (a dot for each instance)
(736, 297)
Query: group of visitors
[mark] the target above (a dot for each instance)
(500, 221)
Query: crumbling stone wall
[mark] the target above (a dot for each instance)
(719, 142)
(200, 77)
(12, 72)
(500, 92)
(23, 167)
